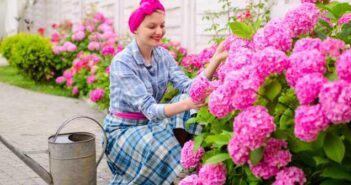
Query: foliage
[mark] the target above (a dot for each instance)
(6, 47)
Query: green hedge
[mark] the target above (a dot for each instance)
(31, 54)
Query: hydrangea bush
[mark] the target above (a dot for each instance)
(281, 107)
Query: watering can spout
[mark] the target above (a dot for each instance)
(36, 167)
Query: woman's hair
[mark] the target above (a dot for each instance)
(147, 7)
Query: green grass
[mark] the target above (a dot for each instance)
(10, 75)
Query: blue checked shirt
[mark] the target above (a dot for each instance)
(136, 87)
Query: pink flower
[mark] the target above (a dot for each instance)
(309, 121)
(276, 155)
(107, 70)
(190, 159)
(200, 89)
(302, 19)
(93, 46)
(346, 18)
(238, 153)
(191, 180)
(332, 47)
(60, 80)
(91, 79)
(213, 174)
(57, 49)
(253, 126)
(97, 94)
(308, 87)
(108, 50)
(307, 44)
(274, 34)
(75, 91)
(343, 66)
(220, 102)
(290, 176)
(305, 62)
(183, 50)
(334, 98)
(309, 1)
(69, 46)
(236, 42)
(78, 36)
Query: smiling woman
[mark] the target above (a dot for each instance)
(144, 136)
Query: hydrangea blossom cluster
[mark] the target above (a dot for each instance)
(307, 44)
(343, 66)
(308, 87)
(275, 156)
(253, 126)
(190, 159)
(332, 47)
(346, 18)
(238, 152)
(232, 42)
(302, 19)
(304, 62)
(213, 174)
(219, 103)
(198, 61)
(200, 89)
(174, 48)
(97, 94)
(335, 101)
(290, 176)
(191, 180)
(309, 121)
(309, 1)
(274, 34)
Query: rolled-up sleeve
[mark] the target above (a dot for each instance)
(134, 92)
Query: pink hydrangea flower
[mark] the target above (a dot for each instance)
(308, 87)
(200, 89)
(309, 1)
(58, 49)
(270, 60)
(97, 94)
(183, 50)
(236, 42)
(309, 121)
(302, 19)
(213, 174)
(332, 47)
(93, 46)
(91, 79)
(190, 159)
(75, 91)
(69, 46)
(334, 98)
(274, 34)
(346, 18)
(219, 103)
(191, 180)
(253, 126)
(78, 36)
(307, 44)
(290, 176)
(60, 80)
(305, 62)
(238, 153)
(343, 66)
(276, 155)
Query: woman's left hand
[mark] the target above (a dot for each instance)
(221, 54)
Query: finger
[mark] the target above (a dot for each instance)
(220, 47)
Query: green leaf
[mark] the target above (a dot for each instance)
(334, 148)
(337, 172)
(256, 155)
(217, 158)
(273, 89)
(286, 119)
(333, 182)
(320, 160)
(219, 140)
(241, 29)
(190, 122)
(197, 142)
(257, 24)
(338, 9)
(346, 132)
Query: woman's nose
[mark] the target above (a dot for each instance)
(159, 30)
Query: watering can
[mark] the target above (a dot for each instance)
(72, 157)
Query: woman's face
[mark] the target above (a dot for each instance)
(152, 29)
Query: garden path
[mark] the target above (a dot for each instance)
(28, 118)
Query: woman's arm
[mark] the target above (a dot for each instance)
(219, 56)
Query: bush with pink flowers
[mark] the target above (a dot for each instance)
(280, 111)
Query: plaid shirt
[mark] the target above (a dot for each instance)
(136, 87)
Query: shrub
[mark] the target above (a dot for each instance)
(32, 56)
(6, 47)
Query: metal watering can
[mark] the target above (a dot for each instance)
(72, 157)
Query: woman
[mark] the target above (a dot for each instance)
(144, 136)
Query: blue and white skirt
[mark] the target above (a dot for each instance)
(145, 152)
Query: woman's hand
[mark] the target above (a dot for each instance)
(192, 105)
(219, 56)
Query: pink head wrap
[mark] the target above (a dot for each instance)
(147, 7)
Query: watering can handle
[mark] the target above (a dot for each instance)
(78, 117)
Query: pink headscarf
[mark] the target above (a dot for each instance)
(147, 7)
